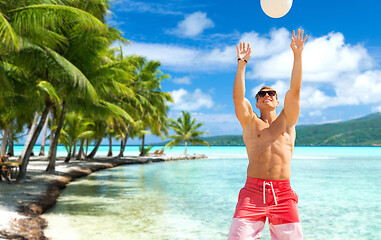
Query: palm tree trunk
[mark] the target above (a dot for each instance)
(30, 135)
(185, 151)
(109, 154)
(10, 142)
(121, 148)
(52, 132)
(87, 146)
(142, 150)
(67, 159)
(31, 141)
(92, 154)
(80, 155)
(42, 150)
(74, 149)
(123, 143)
(4, 143)
(52, 158)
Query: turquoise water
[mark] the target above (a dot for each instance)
(338, 189)
(102, 151)
(226, 151)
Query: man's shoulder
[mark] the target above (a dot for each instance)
(282, 121)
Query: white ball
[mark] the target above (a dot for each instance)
(276, 8)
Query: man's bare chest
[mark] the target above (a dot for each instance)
(268, 135)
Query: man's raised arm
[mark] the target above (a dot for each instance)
(292, 99)
(243, 109)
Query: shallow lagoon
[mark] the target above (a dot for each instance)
(338, 189)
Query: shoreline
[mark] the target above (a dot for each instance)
(22, 204)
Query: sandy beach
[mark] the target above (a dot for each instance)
(21, 204)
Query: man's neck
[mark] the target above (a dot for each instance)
(268, 116)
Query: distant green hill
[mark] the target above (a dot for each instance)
(358, 132)
(364, 131)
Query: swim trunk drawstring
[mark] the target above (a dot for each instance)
(264, 191)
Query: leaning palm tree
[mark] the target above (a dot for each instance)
(74, 126)
(186, 130)
(42, 30)
(152, 100)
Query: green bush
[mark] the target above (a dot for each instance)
(146, 150)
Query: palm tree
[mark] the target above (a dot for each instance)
(43, 31)
(43, 141)
(151, 103)
(186, 130)
(87, 52)
(52, 48)
(75, 127)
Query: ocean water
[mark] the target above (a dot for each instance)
(338, 188)
(102, 151)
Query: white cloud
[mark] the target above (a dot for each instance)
(317, 113)
(348, 71)
(358, 89)
(220, 57)
(188, 101)
(267, 45)
(215, 123)
(328, 63)
(220, 124)
(183, 80)
(312, 97)
(324, 59)
(376, 109)
(184, 59)
(193, 25)
(363, 88)
(168, 55)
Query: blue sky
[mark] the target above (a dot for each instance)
(195, 43)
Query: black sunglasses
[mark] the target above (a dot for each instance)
(271, 93)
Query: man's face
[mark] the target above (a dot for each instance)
(267, 99)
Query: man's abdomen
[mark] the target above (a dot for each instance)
(269, 166)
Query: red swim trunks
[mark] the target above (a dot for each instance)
(266, 198)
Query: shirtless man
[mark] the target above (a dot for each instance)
(269, 141)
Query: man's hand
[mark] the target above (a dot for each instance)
(297, 44)
(242, 52)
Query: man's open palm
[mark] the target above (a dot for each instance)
(243, 52)
(297, 44)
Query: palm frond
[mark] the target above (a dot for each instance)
(7, 34)
(186, 130)
(97, 8)
(117, 111)
(49, 90)
(86, 134)
(57, 18)
(74, 75)
(172, 143)
(196, 126)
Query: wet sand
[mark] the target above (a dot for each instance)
(21, 204)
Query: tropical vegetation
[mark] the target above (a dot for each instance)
(59, 69)
(186, 131)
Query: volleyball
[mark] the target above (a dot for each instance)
(276, 8)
